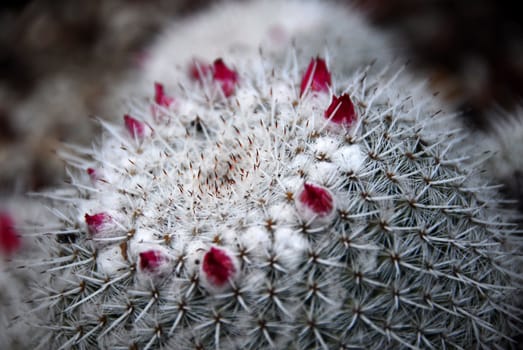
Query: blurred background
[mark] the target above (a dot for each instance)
(59, 59)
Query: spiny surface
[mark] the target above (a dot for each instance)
(245, 218)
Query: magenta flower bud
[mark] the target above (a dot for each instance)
(93, 174)
(160, 97)
(218, 268)
(97, 222)
(199, 69)
(315, 202)
(317, 78)
(10, 241)
(225, 77)
(154, 264)
(135, 127)
(152, 261)
(341, 110)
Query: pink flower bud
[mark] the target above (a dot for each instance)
(341, 110)
(218, 268)
(314, 201)
(154, 264)
(199, 69)
(160, 97)
(152, 261)
(227, 78)
(10, 241)
(317, 77)
(96, 222)
(93, 174)
(135, 127)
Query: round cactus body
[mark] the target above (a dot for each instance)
(279, 211)
(264, 209)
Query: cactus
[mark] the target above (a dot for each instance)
(276, 203)
(257, 208)
(12, 282)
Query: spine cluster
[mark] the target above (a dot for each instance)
(256, 208)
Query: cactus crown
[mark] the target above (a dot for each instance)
(253, 207)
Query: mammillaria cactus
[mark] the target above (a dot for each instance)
(285, 212)
(277, 204)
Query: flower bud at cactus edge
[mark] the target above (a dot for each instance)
(225, 77)
(10, 241)
(160, 97)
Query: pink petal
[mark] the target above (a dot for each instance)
(10, 241)
(92, 174)
(341, 110)
(135, 127)
(227, 78)
(199, 69)
(316, 198)
(160, 97)
(96, 222)
(151, 260)
(317, 78)
(218, 267)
